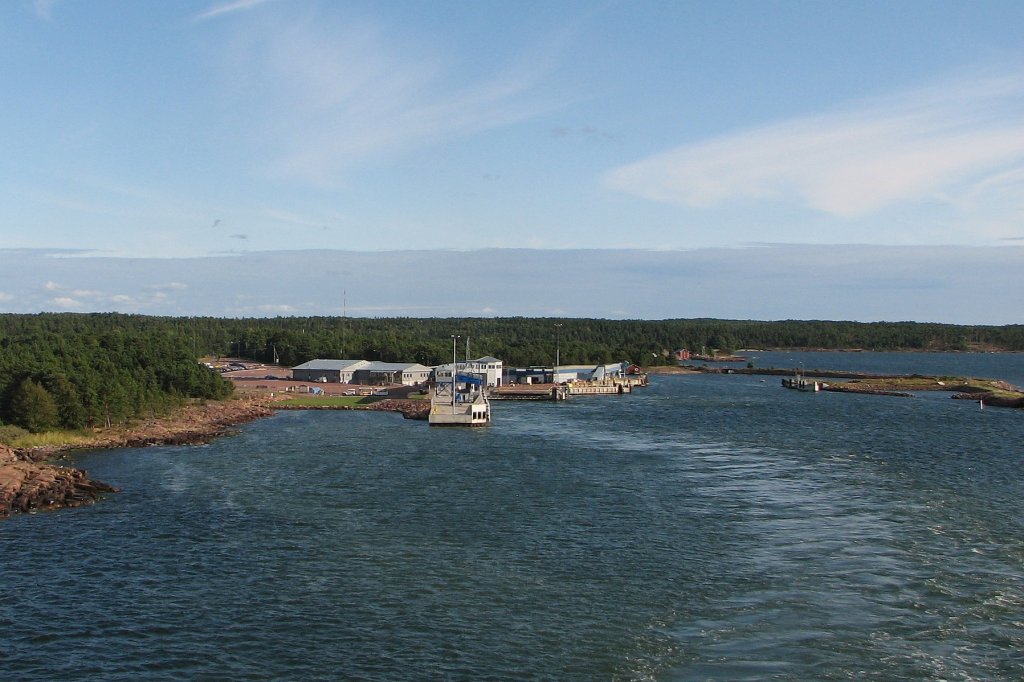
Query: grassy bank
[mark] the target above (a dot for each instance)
(20, 439)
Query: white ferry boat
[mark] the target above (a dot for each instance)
(460, 402)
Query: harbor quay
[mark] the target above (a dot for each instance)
(562, 391)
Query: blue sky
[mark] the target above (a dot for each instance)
(197, 132)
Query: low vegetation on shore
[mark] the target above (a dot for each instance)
(988, 391)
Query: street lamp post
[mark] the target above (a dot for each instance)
(455, 338)
(558, 351)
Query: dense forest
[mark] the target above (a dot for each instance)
(73, 370)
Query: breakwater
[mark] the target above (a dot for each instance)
(987, 391)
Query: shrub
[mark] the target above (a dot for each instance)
(9, 433)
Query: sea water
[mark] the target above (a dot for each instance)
(705, 527)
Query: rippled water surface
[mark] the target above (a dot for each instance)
(707, 527)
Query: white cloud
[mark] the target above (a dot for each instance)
(73, 294)
(136, 303)
(930, 143)
(836, 281)
(224, 8)
(66, 302)
(281, 309)
(329, 93)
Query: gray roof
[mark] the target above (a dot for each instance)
(395, 367)
(331, 365)
(488, 360)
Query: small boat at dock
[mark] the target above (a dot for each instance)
(799, 382)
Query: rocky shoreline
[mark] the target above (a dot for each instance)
(28, 482)
(410, 409)
(26, 486)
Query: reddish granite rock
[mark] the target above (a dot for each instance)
(26, 485)
(410, 409)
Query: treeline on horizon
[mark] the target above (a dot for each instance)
(525, 341)
(82, 369)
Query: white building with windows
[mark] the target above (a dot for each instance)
(489, 368)
(564, 373)
(380, 373)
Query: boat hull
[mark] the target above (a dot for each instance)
(476, 412)
(801, 384)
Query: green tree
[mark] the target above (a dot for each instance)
(70, 412)
(32, 407)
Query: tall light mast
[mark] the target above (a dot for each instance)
(558, 351)
(454, 339)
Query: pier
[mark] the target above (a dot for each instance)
(615, 386)
(612, 386)
(529, 392)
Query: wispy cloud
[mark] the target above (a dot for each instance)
(934, 142)
(328, 93)
(223, 8)
(44, 9)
